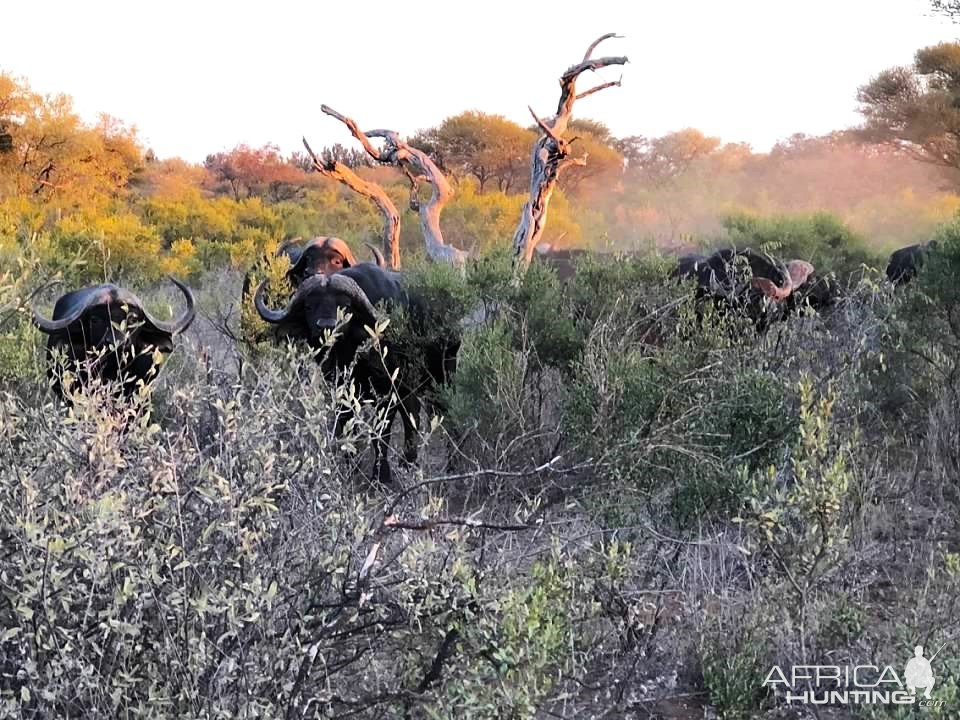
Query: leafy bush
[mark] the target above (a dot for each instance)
(734, 658)
(223, 554)
(820, 238)
(676, 421)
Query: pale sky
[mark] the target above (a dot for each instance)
(202, 76)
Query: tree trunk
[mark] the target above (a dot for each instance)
(550, 155)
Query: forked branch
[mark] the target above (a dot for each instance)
(391, 217)
(415, 164)
(551, 154)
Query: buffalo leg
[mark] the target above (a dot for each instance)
(381, 448)
(410, 416)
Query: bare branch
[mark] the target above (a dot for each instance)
(394, 523)
(418, 165)
(593, 45)
(391, 216)
(550, 156)
(578, 161)
(568, 93)
(546, 128)
(414, 163)
(354, 128)
(598, 88)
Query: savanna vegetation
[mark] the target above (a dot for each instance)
(626, 510)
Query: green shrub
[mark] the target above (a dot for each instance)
(677, 420)
(820, 238)
(734, 659)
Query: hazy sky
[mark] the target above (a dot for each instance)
(201, 76)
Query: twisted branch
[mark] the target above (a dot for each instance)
(415, 164)
(551, 154)
(391, 217)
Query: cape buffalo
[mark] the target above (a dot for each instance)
(323, 255)
(687, 266)
(326, 255)
(819, 292)
(563, 261)
(312, 312)
(105, 331)
(766, 294)
(906, 262)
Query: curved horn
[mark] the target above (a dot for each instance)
(771, 289)
(348, 286)
(52, 326)
(174, 327)
(271, 316)
(377, 255)
(276, 316)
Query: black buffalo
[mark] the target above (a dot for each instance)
(687, 266)
(312, 313)
(753, 283)
(325, 256)
(563, 261)
(906, 262)
(819, 292)
(321, 255)
(105, 332)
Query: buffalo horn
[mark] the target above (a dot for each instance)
(377, 255)
(52, 326)
(170, 327)
(348, 286)
(276, 316)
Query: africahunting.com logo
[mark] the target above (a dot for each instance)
(857, 684)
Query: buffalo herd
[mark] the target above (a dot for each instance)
(105, 331)
(756, 284)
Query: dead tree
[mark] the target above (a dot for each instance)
(418, 167)
(551, 154)
(391, 217)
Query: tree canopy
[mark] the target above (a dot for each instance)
(917, 108)
(489, 148)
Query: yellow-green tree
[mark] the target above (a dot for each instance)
(490, 148)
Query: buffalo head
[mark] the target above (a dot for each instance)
(312, 311)
(325, 256)
(105, 331)
(320, 256)
(764, 290)
(906, 262)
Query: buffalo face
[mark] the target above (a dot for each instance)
(312, 312)
(326, 256)
(320, 256)
(105, 332)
